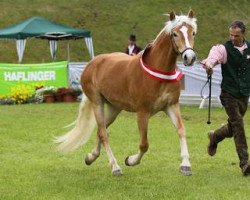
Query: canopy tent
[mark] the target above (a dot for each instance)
(45, 29)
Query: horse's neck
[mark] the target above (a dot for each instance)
(162, 55)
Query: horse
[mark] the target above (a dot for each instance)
(146, 83)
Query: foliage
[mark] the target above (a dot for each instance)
(22, 93)
(19, 94)
(32, 169)
(47, 90)
(112, 21)
(58, 93)
(75, 91)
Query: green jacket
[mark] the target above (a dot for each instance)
(236, 71)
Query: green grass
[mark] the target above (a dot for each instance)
(32, 169)
(111, 21)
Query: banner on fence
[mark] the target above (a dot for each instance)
(46, 74)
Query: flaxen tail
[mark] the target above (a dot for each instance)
(80, 134)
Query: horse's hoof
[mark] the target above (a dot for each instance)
(186, 170)
(131, 164)
(126, 161)
(117, 172)
(87, 160)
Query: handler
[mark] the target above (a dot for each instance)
(234, 57)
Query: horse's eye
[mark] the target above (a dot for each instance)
(194, 33)
(174, 34)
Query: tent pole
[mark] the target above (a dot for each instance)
(68, 52)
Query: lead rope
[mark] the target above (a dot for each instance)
(209, 81)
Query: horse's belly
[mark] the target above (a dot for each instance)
(120, 100)
(166, 99)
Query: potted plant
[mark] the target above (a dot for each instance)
(60, 92)
(68, 94)
(48, 94)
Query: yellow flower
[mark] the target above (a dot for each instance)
(20, 93)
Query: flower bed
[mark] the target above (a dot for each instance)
(22, 94)
(19, 94)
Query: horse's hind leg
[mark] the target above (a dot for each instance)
(174, 113)
(110, 115)
(91, 157)
(142, 122)
(103, 136)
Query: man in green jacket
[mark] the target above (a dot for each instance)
(234, 57)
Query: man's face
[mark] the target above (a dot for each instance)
(236, 36)
(131, 42)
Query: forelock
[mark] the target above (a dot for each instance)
(170, 25)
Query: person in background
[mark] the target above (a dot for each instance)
(234, 57)
(132, 48)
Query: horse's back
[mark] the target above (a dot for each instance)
(106, 64)
(111, 76)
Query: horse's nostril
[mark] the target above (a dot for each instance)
(185, 57)
(194, 58)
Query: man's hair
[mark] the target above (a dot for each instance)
(238, 24)
(132, 37)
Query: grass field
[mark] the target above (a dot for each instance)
(32, 169)
(111, 21)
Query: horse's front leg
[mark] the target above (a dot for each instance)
(175, 115)
(142, 121)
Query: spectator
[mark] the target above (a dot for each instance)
(132, 48)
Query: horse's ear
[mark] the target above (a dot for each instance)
(172, 15)
(191, 14)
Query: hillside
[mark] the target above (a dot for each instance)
(111, 21)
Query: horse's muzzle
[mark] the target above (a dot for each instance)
(189, 57)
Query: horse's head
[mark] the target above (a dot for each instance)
(182, 30)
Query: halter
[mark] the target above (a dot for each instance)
(177, 49)
(172, 76)
(186, 50)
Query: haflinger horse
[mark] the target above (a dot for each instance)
(145, 84)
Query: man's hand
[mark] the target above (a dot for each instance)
(208, 67)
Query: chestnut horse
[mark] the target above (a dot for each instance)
(146, 84)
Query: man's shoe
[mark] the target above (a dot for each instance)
(246, 169)
(212, 146)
